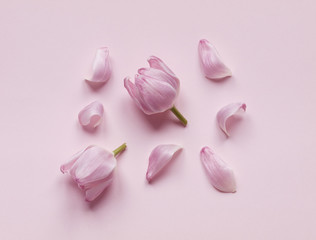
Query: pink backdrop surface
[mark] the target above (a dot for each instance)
(46, 51)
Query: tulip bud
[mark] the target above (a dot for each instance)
(156, 89)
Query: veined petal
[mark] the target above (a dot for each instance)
(95, 191)
(211, 62)
(161, 76)
(101, 68)
(157, 63)
(102, 172)
(157, 96)
(94, 163)
(91, 115)
(89, 185)
(226, 112)
(159, 158)
(134, 93)
(67, 166)
(220, 174)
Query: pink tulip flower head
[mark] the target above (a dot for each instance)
(92, 169)
(156, 89)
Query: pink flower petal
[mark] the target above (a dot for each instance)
(157, 75)
(67, 166)
(159, 158)
(88, 185)
(220, 174)
(95, 190)
(94, 164)
(157, 63)
(101, 69)
(158, 96)
(226, 112)
(91, 115)
(212, 65)
(134, 93)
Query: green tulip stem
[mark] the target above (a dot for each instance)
(119, 149)
(179, 115)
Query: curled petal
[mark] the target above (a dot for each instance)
(101, 68)
(220, 174)
(159, 158)
(226, 112)
(91, 115)
(212, 65)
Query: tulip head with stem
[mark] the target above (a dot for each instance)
(92, 169)
(155, 89)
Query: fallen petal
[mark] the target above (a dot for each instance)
(159, 158)
(212, 65)
(91, 115)
(226, 112)
(101, 68)
(220, 174)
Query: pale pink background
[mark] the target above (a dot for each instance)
(46, 51)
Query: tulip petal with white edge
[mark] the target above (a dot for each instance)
(91, 115)
(101, 68)
(212, 65)
(220, 174)
(159, 158)
(226, 112)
